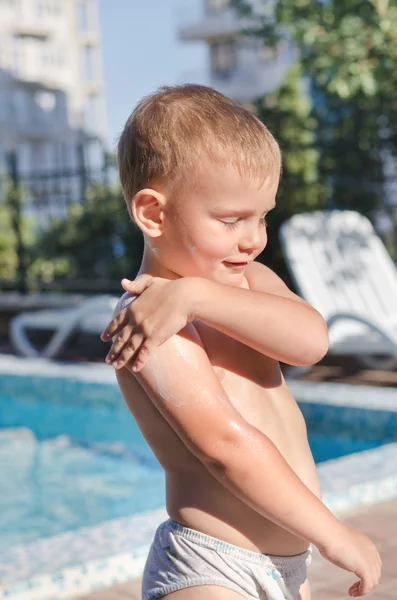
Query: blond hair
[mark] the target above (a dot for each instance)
(169, 132)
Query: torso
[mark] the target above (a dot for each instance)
(256, 388)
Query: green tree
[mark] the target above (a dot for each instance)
(287, 113)
(347, 52)
(96, 242)
(16, 233)
(8, 255)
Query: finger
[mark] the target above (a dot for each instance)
(375, 575)
(354, 590)
(143, 355)
(128, 351)
(375, 578)
(115, 325)
(139, 285)
(365, 586)
(361, 588)
(118, 344)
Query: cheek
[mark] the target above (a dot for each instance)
(214, 244)
(203, 238)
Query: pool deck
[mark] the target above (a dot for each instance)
(328, 582)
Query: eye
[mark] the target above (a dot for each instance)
(231, 224)
(263, 221)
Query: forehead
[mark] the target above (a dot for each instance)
(223, 186)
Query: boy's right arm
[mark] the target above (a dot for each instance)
(181, 383)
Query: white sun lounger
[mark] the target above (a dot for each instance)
(91, 316)
(342, 268)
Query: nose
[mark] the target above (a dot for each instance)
(252, 240)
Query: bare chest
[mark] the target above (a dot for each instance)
(256, 388)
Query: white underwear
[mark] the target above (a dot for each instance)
(181, 557)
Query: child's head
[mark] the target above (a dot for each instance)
(191, 161)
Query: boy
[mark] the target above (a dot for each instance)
(197, 356)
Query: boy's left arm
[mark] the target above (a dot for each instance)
(267, 317)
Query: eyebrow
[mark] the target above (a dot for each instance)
(236, 212)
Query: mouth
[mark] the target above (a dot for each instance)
(236, 265)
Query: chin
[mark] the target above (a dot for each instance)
(235, 279)
(237, 282)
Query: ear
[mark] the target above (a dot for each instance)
(147, 209)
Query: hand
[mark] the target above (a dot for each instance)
(159, 312)
(355, 552)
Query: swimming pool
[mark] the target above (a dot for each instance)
(72, 456)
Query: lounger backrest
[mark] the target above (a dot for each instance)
(339, 264)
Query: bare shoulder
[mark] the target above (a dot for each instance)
(173, 359)
(181, 347)
(261, 278)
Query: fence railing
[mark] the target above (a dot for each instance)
(46, 195)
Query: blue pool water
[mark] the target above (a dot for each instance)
(72, 456)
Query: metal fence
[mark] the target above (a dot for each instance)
(45, 195)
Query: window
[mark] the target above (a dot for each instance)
(223, 58)
(24, 157)
(10, 4)
(90, 113)
(49, 7)
(21, 106)
(82, 16)
(54, 56)
(217, 5)
(88, 63)
(4, 105)
(42, 156)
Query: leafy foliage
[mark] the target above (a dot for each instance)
(8, 255)
(287, 113)
(346, 54)
(10, 211)
(95, 242)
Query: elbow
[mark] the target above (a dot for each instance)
(218, 452)
(322, 340)
(231, 458)
(317, 344)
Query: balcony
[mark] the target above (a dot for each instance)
(251, 77)
(245, 87)
(212, 26)
(31, 30)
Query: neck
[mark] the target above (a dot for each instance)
(152, 264)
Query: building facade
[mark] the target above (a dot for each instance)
(240, 67)
(52, 111)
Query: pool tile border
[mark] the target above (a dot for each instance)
(75, 581)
